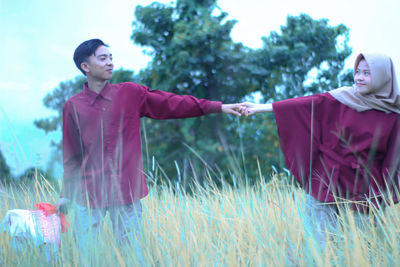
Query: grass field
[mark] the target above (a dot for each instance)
(240, 225)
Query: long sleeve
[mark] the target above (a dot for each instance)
(72, 151)
(296, 120)
(159, 104)
(391, 162)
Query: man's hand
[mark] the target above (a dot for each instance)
(62, 205)
(231, 109)
(248, 108)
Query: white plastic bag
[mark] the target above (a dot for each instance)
(37, 227)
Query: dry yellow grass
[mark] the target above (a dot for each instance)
(228, 226)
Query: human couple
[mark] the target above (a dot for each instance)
(327, 140)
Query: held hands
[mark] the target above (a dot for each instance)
(246, 108)
(231, 109)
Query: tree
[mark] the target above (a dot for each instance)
(5, 174)
(194, 54)
(33, 173)
(306, 58)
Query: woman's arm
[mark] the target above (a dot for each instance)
(248, 108)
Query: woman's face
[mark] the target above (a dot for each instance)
(362, 78)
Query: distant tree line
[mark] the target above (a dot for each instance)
(193, 53)
(30, 174)
(5, 173)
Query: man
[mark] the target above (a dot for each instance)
(101, 141)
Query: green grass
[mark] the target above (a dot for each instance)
(258, 225)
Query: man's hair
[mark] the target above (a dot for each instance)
(85, 50)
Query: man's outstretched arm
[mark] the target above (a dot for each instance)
(159, 104)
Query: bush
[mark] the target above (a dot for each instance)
(5, 174)
(31, 174)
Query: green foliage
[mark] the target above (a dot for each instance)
(192, 51)
(121, 75)
(194, 54)
(307, 57)
(32, 174)
(5, 174)
(56, 100)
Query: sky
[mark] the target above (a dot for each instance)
(38, 38)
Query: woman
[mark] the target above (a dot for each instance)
(342, 145)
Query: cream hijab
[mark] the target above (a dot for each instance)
(385, 95)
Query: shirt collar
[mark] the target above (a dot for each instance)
(106, 93)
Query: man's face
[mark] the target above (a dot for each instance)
(99, 65)
(362, 78)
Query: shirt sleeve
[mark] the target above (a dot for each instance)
(297, 120)
(161, 105)
(391, 162)
(72, 151)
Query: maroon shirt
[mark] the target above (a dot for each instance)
(353, 155)
(102, 155)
